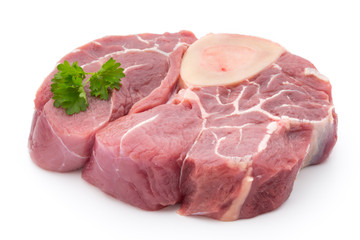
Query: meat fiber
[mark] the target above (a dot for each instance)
(151, 62)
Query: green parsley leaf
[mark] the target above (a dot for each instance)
(108, 77)
(68, 84)
(68, 88)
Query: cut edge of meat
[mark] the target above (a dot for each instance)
(48, 159)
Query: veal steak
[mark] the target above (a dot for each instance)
(221, 125)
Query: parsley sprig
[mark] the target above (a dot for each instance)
(68, 84)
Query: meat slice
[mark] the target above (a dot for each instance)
(151, 63)
(228, 145)
(236, 149)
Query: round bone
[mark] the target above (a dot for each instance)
(226, 59)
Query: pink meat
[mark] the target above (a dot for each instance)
(255, 138)
(225, 152)
(235, 151)
(139, 162)
(59, 142)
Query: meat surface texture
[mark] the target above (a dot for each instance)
(226, 152)
(138, 158)
(222, 152)
(254, 139)
(151, 63)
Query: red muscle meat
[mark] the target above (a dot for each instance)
(224, 152)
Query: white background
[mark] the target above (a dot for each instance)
(37, 204)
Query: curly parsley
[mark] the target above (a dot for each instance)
(68, 84)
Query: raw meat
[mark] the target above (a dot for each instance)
(151, 62)
(138, 158)
(255, 138)
(226, 151)
(237, 149)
